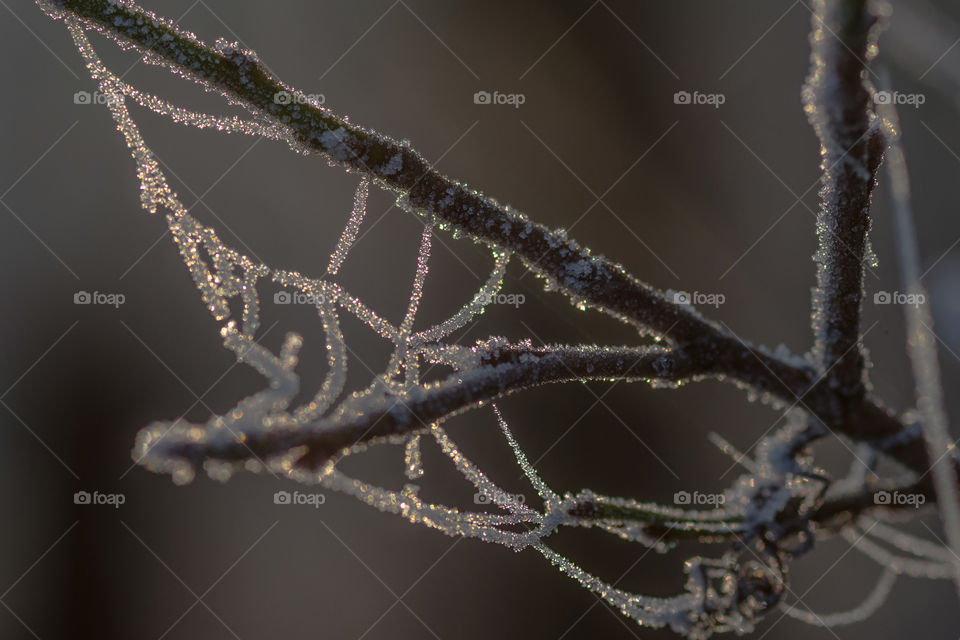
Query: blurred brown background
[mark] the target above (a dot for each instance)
(694, 198)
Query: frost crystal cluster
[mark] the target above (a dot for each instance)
(774, 512)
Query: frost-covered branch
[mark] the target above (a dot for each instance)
(768, 516)
(497, 369)
(838, 106)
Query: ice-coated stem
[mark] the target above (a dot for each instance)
(838, 106)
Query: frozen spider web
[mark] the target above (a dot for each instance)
(722, 594)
